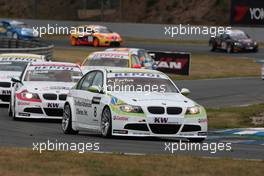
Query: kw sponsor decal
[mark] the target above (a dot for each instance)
(53, 105)
(83, 112)
(160, 120)
(6, 92)
(96, 100)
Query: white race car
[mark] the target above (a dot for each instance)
(12, 65)
(132, 102)
(41, 92)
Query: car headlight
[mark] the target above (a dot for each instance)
(237, 44)
(255, 43)
(131, 108)
(193, 110)
(29, 95)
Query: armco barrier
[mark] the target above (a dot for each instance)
(8, 45)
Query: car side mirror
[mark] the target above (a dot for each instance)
(16, 80)
(95, 89)
(185, 91)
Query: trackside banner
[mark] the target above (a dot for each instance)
(172, 62)
(247, 12)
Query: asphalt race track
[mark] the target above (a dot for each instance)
(192, 48)
(212, 93)
(25, 133)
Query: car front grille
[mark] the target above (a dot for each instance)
(34, 110)
(136, 126)
(164, 128)
(156, 110)
(54, 112)
(174, 110)
(5, 84)
(191, 128)
(62, 97)
(50, 96)
(5, 98)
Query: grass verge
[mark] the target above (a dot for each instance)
(26, 162)
(202, 66)
(234, 117)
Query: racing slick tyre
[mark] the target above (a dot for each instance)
(74, 41)
(106, 123)
(66, 122)
(95, 42)
(229, 48)
(196, 139)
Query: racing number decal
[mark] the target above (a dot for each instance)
(95, 111)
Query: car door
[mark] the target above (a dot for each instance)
(81, 97)
(96, 98)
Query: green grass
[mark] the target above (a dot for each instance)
(234, 117)
(25, 162)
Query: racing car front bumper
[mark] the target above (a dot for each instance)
(154, 126)
(39, 110)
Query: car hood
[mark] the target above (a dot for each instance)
(245, 41)
(154, 99)
(48, 87)
(5, 76)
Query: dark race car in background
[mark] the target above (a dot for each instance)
(233, 41)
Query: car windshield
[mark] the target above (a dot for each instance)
(111, 62)
(139, 82)
(12, 66)
(239, 36)
(20, 25)
(102, 30)
(52, 75)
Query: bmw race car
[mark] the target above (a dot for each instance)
(95, 35)
(233, 41)
(12, 65)
(146, 60)
(110, 59)
(42, 90)
(132, 102)
(17, 30)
